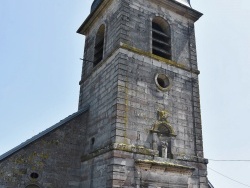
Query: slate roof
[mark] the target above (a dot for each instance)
(40, 135)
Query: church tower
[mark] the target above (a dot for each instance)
(140, 81)
(138, 124)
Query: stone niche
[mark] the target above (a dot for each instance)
(163, 135)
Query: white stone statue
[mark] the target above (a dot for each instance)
(164, 147)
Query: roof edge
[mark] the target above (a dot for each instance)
(43, 133)
(96, 11)
(210, 184)
(188, 10)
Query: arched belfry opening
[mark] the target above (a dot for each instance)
(161, 38)
(99, 45)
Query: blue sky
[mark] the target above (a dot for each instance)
(40, 51)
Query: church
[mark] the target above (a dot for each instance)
(138, 123)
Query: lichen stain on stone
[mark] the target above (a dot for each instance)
(35, 161)
(126, 110)
(50, 142)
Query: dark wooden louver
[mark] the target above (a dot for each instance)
(99, 44)
(98, 52)
(160, 42)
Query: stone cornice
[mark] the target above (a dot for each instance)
(163, 166)
(141, 150)
(140, 52)
(120, 147)
(181, 9)
(161, 59)
(170, 4)
(191, 158)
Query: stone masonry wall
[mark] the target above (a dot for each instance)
(56, 158)
(99, 91)
(97, 172)
(141, 99)
(118, 168)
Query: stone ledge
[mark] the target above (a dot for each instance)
(191, 158)
(163, 166)
(123, 46)
(161, 59)
(140, 150)
(120, 147)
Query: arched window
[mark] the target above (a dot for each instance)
(161, 38)
(99, 44)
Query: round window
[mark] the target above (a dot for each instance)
(34, 175)
(162, 82)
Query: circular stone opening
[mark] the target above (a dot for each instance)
(34, 175)
(162, 81)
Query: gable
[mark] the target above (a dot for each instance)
(41, 160)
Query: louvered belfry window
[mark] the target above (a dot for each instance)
(161, 39)
(99, 45)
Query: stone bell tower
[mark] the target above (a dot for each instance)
(140, 81)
